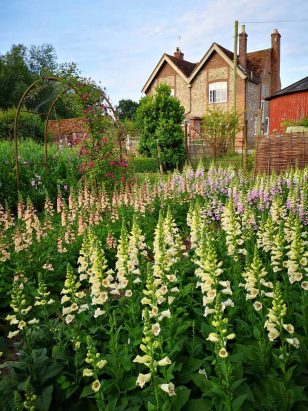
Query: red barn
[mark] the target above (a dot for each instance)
(290, 103)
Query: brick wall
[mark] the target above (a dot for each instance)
(195, 97)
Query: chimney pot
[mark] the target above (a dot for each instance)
(178, 54)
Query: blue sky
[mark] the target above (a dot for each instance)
(119, 42)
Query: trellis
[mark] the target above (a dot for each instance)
(67, 86)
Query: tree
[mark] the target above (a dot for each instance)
(127, 109)
(159, 120)
(219, 128)
(15, 76)
(42, 58)
(21, 66)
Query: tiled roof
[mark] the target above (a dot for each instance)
(67, 126)
(185, 66)
(229, 53)
(301, 85)
(256, 61)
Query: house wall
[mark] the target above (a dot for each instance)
(195, 96)
(216, 69)
(288, 107)
(169, 76)
(253, 105)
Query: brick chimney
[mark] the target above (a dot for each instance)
(243, 47)
(178, 54)
(275, 62)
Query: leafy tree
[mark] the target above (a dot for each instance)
(127, 109)
(15, 76)
(219, 127)
(21, 66)
(159, 118)
(42, 58)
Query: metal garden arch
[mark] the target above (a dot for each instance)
(68, 86)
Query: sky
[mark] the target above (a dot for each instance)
(119, 42)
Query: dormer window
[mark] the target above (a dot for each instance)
(218, 92)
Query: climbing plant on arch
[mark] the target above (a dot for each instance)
(94, 100)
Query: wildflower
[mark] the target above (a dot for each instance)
(168, 388)
(96, 385)
(213, 337)
(164, 361)
(101, 364)
(12, 334)
(143, 379)
(293, 341)
(223, 353)
(304, 285)
(142, 360)
(257, 305)
(69, 318)
(156, 329)
(87, 372)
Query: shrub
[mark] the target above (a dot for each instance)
(159, 118)
(220, 128)
(29, 125)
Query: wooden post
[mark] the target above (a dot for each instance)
(244, 153)
(234, 74)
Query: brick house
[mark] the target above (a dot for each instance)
(209, 82)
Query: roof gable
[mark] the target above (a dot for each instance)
(182, 67)
(227, 55)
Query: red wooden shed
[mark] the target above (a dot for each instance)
(290, 103)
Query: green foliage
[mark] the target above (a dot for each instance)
(29, 124)
(289, 123)
(143, 165)
(127, 109)
(53, 362)
(159, 118)
(130, 128)
(220, 127)
(34, 181)
(21, 66)
(303, 122)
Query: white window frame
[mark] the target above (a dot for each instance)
(172, 92)
(263, 110)
(255, 126)
(218, 92)
(266, 131)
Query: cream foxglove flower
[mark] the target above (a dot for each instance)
(168, 388)
(142, 360)
(142, 379)
(13, 334)
(257, 305)
(223, 353)
(101, 364)
(164, 361)
(87, 372)
(293, 341)
(213, 337)
(156, 329)
(96, 386)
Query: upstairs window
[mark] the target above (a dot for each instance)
(218, 92)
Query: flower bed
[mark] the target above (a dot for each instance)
(186, 294)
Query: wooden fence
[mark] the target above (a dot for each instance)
(279, 152)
